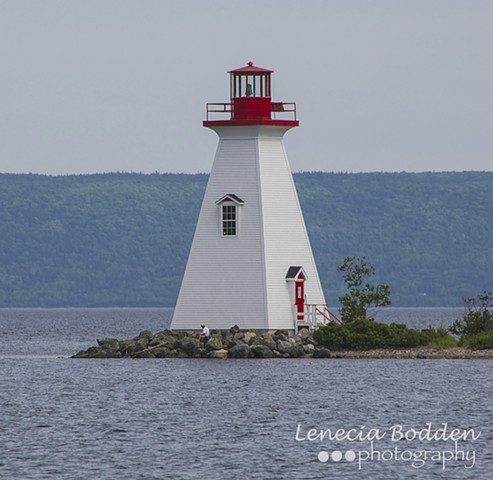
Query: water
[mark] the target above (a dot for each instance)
(201, 419)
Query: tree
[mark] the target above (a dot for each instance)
(478, 317)
(360, 296)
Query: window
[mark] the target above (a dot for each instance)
(229, 214)
(229, 220)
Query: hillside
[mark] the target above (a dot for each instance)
(123, 239)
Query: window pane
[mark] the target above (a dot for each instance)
(229, 220)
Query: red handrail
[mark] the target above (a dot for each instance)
(227, 107)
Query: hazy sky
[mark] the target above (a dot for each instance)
(92, 86)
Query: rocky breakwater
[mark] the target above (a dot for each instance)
(232, 343)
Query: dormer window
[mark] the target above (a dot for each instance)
(229, 214)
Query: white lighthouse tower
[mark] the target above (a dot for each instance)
(251, 263)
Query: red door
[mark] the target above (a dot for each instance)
(299, 296)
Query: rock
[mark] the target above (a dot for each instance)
(168, 341)
(133, 346)
(231, 342)
(109, 343)
(89, 353)
(283, 346)
(280, 335)
(145, 354)
(144, 334)
(309, 348)
(239, 351)
(215, 342)
(310, 340)
(271, 344)
(220, 354)
(249, 336)
(257, 340)
(261, 351)
(165, 338)
(321, 352)
(187, 345)
(304, 333)
(235, 329)
(296, 351)
(161, 352)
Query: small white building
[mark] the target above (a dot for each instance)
(251, 263)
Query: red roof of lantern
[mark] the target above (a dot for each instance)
(251, 68)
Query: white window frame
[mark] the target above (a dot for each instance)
(222, 220)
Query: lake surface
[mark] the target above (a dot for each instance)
(201, 419)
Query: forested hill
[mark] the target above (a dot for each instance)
(123, 239)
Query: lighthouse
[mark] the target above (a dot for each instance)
(251, 263)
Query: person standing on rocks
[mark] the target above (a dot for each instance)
(204, 336)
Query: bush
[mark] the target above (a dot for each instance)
(438, 339)
(477, 341)
(366, 334)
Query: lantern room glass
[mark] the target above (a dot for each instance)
(250, 85)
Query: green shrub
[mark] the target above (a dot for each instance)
(366, 334)
(437, 339)
(477, 341)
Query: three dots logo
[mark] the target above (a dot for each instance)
(336, 456)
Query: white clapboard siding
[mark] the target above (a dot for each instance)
(285, 237)
(241, 280)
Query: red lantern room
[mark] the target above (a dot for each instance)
(251, 102)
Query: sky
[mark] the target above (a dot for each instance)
(91, 86)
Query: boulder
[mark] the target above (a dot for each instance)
(133, 346)
(262, 351)
(109, 344)
(296, 351)
(248, 337)
(280, 335)
(168, 341)
(239, 351)
(215, 342)
(91, 352)
(271, 344)
(321, 352)
(304, 333)
(145, 354)
(144, 334)
(257, 340)
(309, 348)
(110, 347)
(219, 354)
(187, 345)
(161, 352)
(165, 338)
(235, 329)
(283, 346)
